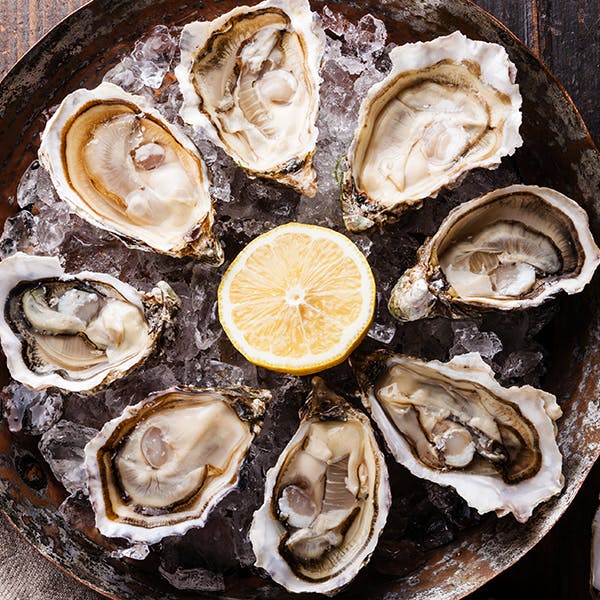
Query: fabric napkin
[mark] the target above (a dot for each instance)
(25, 575)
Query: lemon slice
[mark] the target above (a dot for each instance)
(297, 299)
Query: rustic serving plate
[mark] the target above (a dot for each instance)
(558, 152)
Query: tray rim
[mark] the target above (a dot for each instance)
(14, 72)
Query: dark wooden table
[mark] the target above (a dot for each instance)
(565, 35)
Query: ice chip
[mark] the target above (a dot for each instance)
(135, 552)
(30, 411)
(19, 234)
(468, 338)
(62, 448)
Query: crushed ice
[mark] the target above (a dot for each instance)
(468, 338)
(148, 64)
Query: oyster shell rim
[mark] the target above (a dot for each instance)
(472, 367)
(253, 413)
(359, 212)
(50, 267)
(436, 301)
(192, 113)
(199, 241)
(265, 544)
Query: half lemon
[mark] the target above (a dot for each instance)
(297, 299)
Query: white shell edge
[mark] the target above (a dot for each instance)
(110, 528)
(486, 493)
(496, 70)
(265, 534)
(579, 218)
(50, 148)
(21, 267)
(195, 35)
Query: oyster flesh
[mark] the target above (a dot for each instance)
(250, 79)
(454, 424)
(513, 248)
(76, 332)
(446, 107)
(161, 466)
(326, 499)
(120, 166)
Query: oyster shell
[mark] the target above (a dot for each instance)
(161, 466)
(326, 499)
(454, 424)
(250, 79)
(446, 107)
(76, 332)
(510, 249)
(120, 166)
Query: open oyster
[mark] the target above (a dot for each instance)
(251, 80)
(119, 165)
(326, 499)
(76, 332)
(446, 107)
(454, 424)
(161, 466)
(512, 248)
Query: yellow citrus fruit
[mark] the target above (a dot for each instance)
(297, 299)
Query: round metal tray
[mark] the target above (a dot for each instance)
(558, 152)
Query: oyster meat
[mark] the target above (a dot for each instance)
(326, 499)
(510, 249)
(161, 466)
(122, 167)
(76, 332)
(250, 79)
(446, 107)
(454, 424)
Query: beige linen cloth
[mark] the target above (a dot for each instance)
(25, 575)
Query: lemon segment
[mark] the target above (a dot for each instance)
(297, 299)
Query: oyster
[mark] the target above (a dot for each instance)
(446, 107)
(512, 248)
(161, 466)
(250, 79)
(326, 499)
(76, 332)
(454, 424)
(119, 165)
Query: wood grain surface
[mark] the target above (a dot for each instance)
(564, 35)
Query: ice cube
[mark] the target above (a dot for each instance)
(35, 187)
(135, 552)
(468, 338)
(52, 225)
(520, 363)
(62, 448)
(31, 411)
(19, 234)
